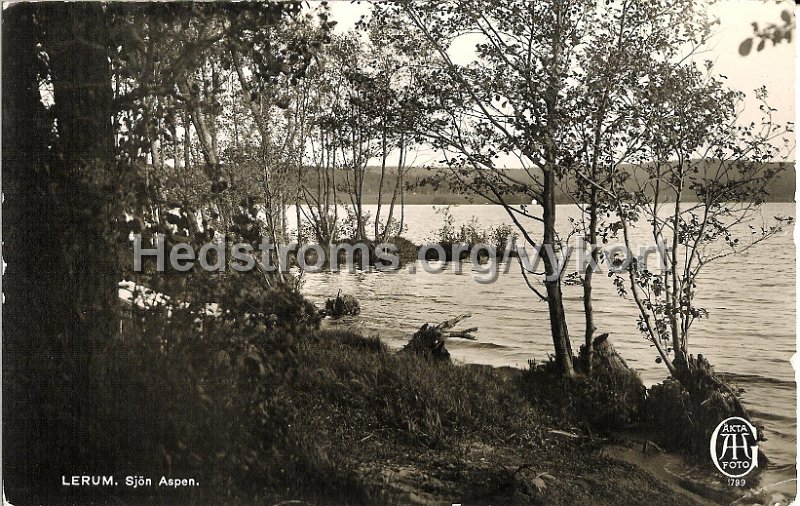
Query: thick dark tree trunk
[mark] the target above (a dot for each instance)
(26, 224)
(86, 195)
(29, 244)
(61, 237)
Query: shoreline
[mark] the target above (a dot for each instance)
(671, 469)
(499, 465)
(573, 455)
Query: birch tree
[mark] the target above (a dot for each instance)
(543, 86)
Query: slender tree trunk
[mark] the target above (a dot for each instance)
(398, 182)
(591, 238)
(384, 156)
(674, 301)
(402, 200)
(187, 142)
(187, 167)
(555, 300)
(204, 133)
(588, 309)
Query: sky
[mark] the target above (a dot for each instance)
(774, 67)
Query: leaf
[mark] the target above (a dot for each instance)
(786, 16)
(746, 46)
(761, 45)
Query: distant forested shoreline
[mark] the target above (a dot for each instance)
(424, 186)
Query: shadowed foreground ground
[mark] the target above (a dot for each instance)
(402, 429)
(327, 417)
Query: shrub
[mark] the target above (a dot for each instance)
(501, 237)
(342, 305)
(174, 394)
(245, 302)
(609, 400)
(470, 234)
(681, 421)
(669, 416)
(406, 250)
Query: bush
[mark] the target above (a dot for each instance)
(245, 302)
(685, 422)
(406, 250)
(470, 234)
(670, 416)
(501, 237)
(609, 400)
(342, 305)
(175, 395)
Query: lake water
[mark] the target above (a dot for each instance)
(749, 333)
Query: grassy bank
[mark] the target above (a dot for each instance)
(295, 413)
(414, 430)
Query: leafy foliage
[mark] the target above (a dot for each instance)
(608, 401)
(342, 305)
(774, 32)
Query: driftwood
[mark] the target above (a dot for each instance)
(430, 339)
(463, 334)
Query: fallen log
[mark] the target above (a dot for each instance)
(430, 339)
(463, 334)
